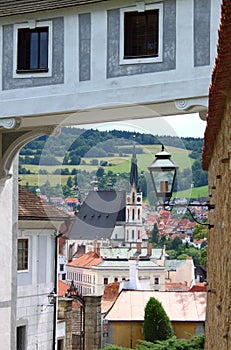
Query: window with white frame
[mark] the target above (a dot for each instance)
(33, 49)
(23, 254)
(141, 33)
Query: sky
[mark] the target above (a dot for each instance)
(184, 125)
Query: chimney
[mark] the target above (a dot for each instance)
(96, 247)
(149, 248)
(133, 274)
(138, 245)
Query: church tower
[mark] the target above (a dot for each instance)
(134, 229)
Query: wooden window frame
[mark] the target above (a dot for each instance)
(32, 26)
(25, 50)
(137, 12)
(137, 43)
(23, 254)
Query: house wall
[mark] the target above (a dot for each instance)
(33, 287)
(85, 74)
(218, 318)
(8, 289)
(127, 334)
(90, 281)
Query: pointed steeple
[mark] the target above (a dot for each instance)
(134, 168)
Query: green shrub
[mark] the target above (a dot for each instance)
(157, 325)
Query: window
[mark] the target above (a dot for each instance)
(63, 277)
(61, 267)
(32, 50)
(22, 254)
(116, 279)
(156, 280)
(141, 34)
(105, 280)
(21, 338)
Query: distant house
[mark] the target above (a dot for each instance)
(38, 224)
(124, 319)
(93, 271)
(180, 271)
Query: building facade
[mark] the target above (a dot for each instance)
(74, 80)
(216, 159)
(35, 271)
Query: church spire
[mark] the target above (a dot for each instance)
(134, 168)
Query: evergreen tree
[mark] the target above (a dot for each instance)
(157, 325)
(155, 236)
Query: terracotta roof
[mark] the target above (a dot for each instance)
(62, 288)
(15, 7)
(199, 287)
(31, 207)
(220, 85)
(179, 306)
(175, 287)
(111, 292)
(87, 260)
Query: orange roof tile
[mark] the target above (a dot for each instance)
(31, 207)
(220, 85)
(87, 260)
(62, 288)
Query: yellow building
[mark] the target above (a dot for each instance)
(124, 320)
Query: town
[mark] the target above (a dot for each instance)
(124, 256)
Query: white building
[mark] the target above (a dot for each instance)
(35, 271)
(91, 273)
(74, 80)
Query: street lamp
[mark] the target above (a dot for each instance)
(52, 296)
(163, 173)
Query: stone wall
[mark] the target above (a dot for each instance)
(65, 314)
(92, 322)
(218, 318)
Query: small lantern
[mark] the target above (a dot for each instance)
(163, 172)
(52, 298)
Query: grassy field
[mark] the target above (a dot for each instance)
(120, 164)
(197, 192)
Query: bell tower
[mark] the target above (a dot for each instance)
(134, 228)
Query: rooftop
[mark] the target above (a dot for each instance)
(31, 207)
(179, 306)
(220, 85)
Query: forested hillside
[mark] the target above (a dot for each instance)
(101, 152)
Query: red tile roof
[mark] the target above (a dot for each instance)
(62, 288)
(31, 207)
(87, 260)
(111, 292)
(220, 85)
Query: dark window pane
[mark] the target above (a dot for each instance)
(43, 50)
(32, 49)
(141, 34)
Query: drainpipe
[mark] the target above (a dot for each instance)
(57, 236)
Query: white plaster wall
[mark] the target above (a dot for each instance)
(32, 301)
(186, 81)
(8, 229)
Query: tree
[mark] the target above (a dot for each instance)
(157, 325)
(155, 236)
